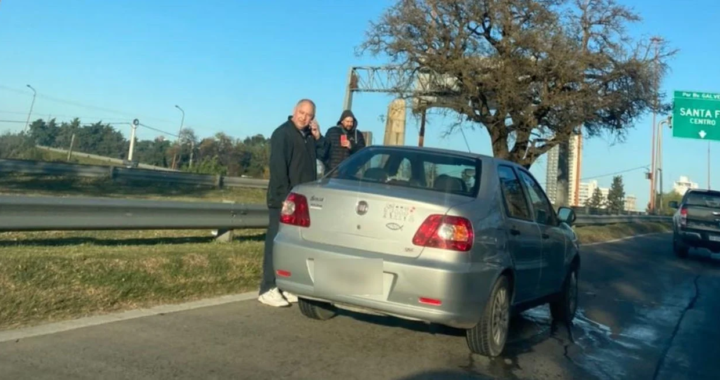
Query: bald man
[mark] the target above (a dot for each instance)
(295, 147)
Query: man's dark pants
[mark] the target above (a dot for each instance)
(268, 278)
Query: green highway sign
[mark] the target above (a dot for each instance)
(696, 115)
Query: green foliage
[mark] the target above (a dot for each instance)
(616, 196)
(596, 201)
(220, 154)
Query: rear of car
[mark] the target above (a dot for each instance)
(388, 232)
(697, 222)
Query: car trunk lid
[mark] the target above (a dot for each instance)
(372, 217)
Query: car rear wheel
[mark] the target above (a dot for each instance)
(488, 337)
(316, 310)
(681, 250)
(564, 307)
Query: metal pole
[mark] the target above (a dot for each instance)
(132, 142)
(653, 185)
(709, 187)
(27, 123)
(176, 156)
(347, 103)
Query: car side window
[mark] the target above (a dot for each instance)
(544, 213)
(515, 201)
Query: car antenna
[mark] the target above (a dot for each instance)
(465, 138)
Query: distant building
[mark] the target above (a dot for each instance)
(564, 163)
(683, 184)
(630, 203)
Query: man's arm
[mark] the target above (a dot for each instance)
(279, 185)
(324, 144)
(359, 143)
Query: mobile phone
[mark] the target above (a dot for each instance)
(343, 139)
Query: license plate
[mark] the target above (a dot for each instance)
(356, 277)
(714, 237)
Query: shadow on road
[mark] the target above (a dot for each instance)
(527, 331)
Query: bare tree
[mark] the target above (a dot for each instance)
(525, 67)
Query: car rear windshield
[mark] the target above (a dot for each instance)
(711, 200)
(430, 170)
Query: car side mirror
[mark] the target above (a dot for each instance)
(566, 215)
(673, 204)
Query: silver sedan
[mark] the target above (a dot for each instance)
(431, 235)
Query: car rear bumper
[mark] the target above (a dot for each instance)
(700, 239)
(462, 289)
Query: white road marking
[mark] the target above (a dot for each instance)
(56, 327)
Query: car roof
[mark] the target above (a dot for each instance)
(444, 151)
(704, 191)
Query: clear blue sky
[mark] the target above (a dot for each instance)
(239, 66)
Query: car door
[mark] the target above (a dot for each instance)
(523, 234)
(553, 238)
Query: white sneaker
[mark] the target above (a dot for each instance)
(289, 297)
(273, 298)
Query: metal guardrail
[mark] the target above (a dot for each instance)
(113, 172)
(23, 213)
(101, 158)
(29, 213)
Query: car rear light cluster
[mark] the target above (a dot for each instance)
(445, 232)
(295, 211)
(683, 216)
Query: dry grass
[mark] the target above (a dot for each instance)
(594, 234)
(59, 275)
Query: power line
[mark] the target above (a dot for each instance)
(616, 173)
(82, 105)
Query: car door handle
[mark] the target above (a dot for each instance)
(514, 231)
(545, 236)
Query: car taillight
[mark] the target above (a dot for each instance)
(295, 211)
(683, 216)
(445, 232)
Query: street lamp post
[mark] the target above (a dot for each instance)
(176, 157)
(27, 123)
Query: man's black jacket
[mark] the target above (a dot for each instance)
(293, 155)
(337, 153)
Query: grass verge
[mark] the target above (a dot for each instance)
(100, 187)
(50, 276)
(596, 234)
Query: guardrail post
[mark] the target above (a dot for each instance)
(219, 181)
(111, 172)
(225, 236)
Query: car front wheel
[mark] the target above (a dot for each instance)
(680, 249)
(488, 337)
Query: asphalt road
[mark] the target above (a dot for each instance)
(645, 314)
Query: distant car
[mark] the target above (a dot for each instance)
(696, 223)
(431, 235)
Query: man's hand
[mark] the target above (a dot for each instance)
(345, 143)
(315, 129)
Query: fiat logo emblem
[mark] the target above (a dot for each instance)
(362, 208)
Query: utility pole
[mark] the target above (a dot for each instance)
(709, 187)
(653, 183)
(27, 123)
(133, 127)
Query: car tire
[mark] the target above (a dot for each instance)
(316, 310)
(489, 336)
(564, 307)
(681, 250)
